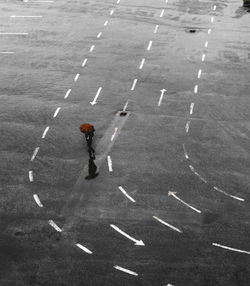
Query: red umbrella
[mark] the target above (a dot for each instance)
(87, 128)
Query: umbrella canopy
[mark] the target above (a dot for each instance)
(87, 128)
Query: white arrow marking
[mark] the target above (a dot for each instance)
(187, 126)
(209, 31)
(162, 13)
(84, 248)
(230, 248)
(225, 193)
(37, 200)
(91, 48)
(34, 154)
(142, 64)
(14, 34)
(161, 97)
(106, 23)
(45, 132)
(15, 16)
(84, 62)
(149, 45)
(76, 77)
(31, 176)
(56, 112)
(137, 242)
(191, 108)
(177, 198)
(156, 29)
(113, 136)
(199, 73)
(125, 270)
(55, 226)
(111, 12)
(126, 194)
(110, 164)
(196, 88)
(203, 57)
(134, 84)
(67, 93)
(97, 95)
(99, 35)
(167, 224)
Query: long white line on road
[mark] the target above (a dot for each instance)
(126, 194)
(106, 23)
(76, 77)
(13, 34)
(156, 29)
(161, 96)
(125, 270)
(16, 16)
(203, 57)
(134, 84)
(209, 31)
(85, 249)
(97, 95)
(111, 12)
(191, 108)
(137, 242)
(149, 45)
(84, 62)
(31, 176)
(225, 193)
(199, 73)
(37, 200)
(230, 248)
(55, 226)
(167, 224)
(206, 44)
(187, 126)
(35, 153)
(185, 152)
(214, 7)
(212, 19)
(67, 93)
(113, 136)
(173, 194)
(110, 164)
(197, 174)
(99, 35)
(92, 48)
(56, 112)
(45, 132)
(125, 106)
(162, 13)
(196, 88)
(142, 64)
(8, 53)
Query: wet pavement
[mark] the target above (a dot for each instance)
(173, 168)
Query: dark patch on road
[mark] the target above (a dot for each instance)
(209, 217)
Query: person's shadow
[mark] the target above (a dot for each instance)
(92, 166)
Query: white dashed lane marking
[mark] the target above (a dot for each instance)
(7, 53)
(196, 88)
(106, 23)
(149, 45)
(67, 93)
(97, 95)
(206, 44)
(161, 97)
(156, 29)
(167, 224)
(187, 126)
(35, 153)
(13, 34)
(191, 108)
(31, 176)
(45, 132)
(92, 48)
(142, 64)
(56, 112)
(76, 77)
(110, 164)
(99, 35)
(162, 13)
(85, 249)
(134, 84)
(209, 31)
(125, 106)
(113, 136)
(16, 16)
(126, 194)
(37, 200)
(199, 73)
(203, 57)
(226, 194)
(125, 270)
(55, 226)
(84, 62)
(214, 8)
(230, 248)
(197, 174)
(111, 12)
(212, 19)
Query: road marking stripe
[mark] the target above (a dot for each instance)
(97, 95)
(199, 73)
(161, 97)
(118, 1)
(156, 29)
(149, 45)
(31, 176)
(214, 7)
(14, 34)
(162, 13)
(45, 132)
(8, 53)
(34, 154)
(142, 64)
(180, 200)
(85, 249)
(197, 174)
(37, 200)
(15, 16)
(227, 194)
(185, 152)
(209, 31)
(230, 248)
(126, 194)
(67, 93)
(125, 106)
(92, 48)
(111, 12)
(106, 23)
(55, 226)
(203, 57)
(99, 35)
(56, 112)
(206, 44)
(196, 88)
(84, 62)
(76, 77)
(212, 19)
(113, 136)
(125, 270)
(110, 164)
(187, 126)
(134, 84)
(167, 224)
(191, 108)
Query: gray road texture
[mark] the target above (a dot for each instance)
(194, 141)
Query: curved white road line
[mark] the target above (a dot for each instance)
(125, 270)
(230, 248)
(173, 194)
(55, 226)
(227, 194)
(85, 249)
(167, 224)
(126, 194)
(37, 200)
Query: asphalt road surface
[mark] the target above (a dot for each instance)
(170, 205)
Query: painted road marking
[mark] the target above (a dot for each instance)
(230, 248)
(34, 154)
(125, 106)
(161, 97)
(212, 19)
(8, 53)
(92, 48)
(37, 200)
(134, 84)
(199, 73)
(196, 88)
(185, 152)
(31, 176)
(209, 31)
(99, 35)
(45, 132)
(14, 34)
(76, 77)
(15, 16)
(203, 57)
(113, 136)
(110, 164)
(142, 64)
(187, 126)
(214, 7)
(162, 13)
(55, 226)
(137, 242)
(56, 112)
(197, 174)
(125, 270)
(149, 45)
(106, 23)
(84, 62)
(126, 194)
(40, 1)
(118, 1)
(191, 108)
(97, 95)
(67, 93)
(206, 44)
(156, 29)
(85, 249)
(111, 12)
(173, 194)
(225, 193)
(167, 224)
